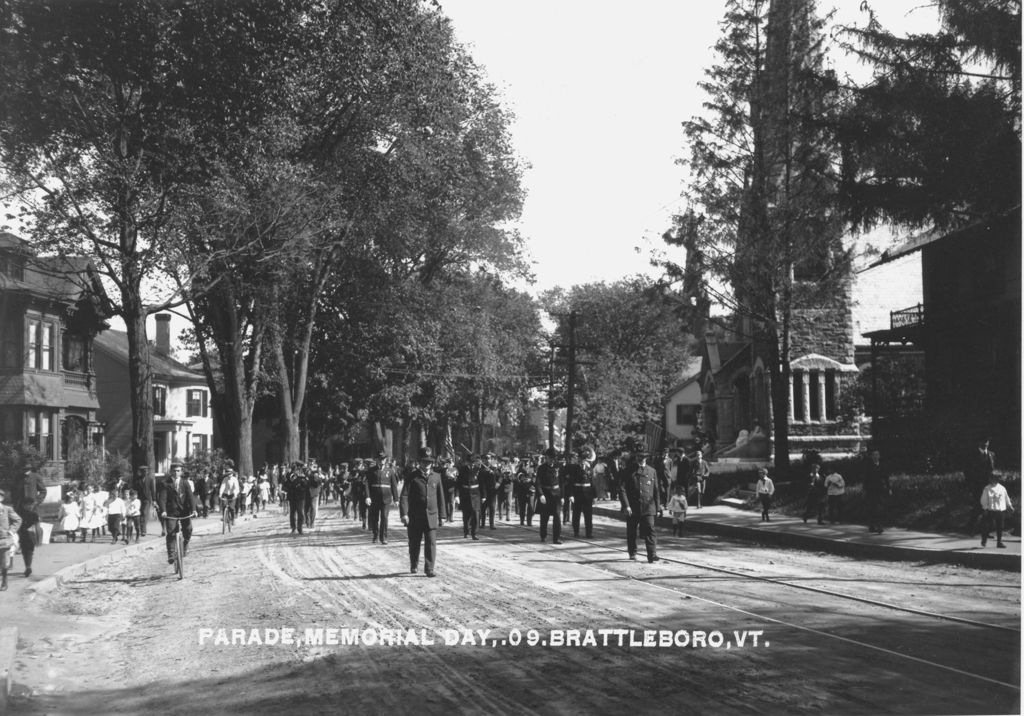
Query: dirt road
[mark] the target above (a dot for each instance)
(514, 626)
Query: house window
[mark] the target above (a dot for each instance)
(75, 357)
(831, 393)
(39, 349)
(10, 425)
(686, 414)
(159, 400)
(814, 388)
(798, 395)
(12, 266)
(39, 430)
(197, 406)
(10, 342)
(199, 444)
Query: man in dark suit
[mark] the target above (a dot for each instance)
(176, 500)
(470, 495)
(382, 490)
(28, 493)
(145, 486)
(489, 481)
(641, 501)
(421, 507)
(549, 485)
(581, 495)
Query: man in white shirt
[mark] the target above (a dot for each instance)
(835, 488)
(995, 502)
(765, 490)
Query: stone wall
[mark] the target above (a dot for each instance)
(823, 323)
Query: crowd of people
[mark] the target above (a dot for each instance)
(556, 489)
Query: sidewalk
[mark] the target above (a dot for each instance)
(852, 540)
(58, 561)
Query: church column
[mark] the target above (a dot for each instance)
(821, 396)
(806, 376)
(791, 401)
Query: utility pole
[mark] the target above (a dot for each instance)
(571, 392)
(551, 398)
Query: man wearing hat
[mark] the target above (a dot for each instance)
(382, 491)
(641, 501)
(449, 481)
(549, 486)
(469, 495)
(421, 507)
(176, 500)
(581, 495)
(489, 481)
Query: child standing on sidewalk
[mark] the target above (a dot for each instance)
(70, 518)
(677, 506)
(133, 510)
(115, 514)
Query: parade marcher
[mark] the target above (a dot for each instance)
(506, 478)
(314, 483)
(449, 481)
(765, 489)
(817, 495)
(10, 525)
(699, 472)
(581, 495)
(382, 491)
(469, 495)
(29, 491)
(176, 499)
(996, 503)
(526, 492)
(421, 507)
(358, 492)
(876, 491)
(294, 485)
(344, 489)
(549, 486)
(641, 501)
(489, 480)
(563, 478)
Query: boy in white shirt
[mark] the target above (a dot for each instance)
(133, 511)
(115, 514)
(835, 488)
(995, 502)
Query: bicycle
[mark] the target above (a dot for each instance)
(179, 545)
(227, 516)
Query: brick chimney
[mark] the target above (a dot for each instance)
(163, 333)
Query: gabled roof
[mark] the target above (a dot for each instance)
(115, 344)
(63, 279)
(679, 386)
(918, 242)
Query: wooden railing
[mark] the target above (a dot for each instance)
(907, 317)
(82, 380)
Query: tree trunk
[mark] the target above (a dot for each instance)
(140, 381)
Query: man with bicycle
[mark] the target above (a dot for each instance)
(176, 500)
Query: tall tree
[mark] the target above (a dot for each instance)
(109, 110)
(933, 139)
(634, 346)
(761, 194)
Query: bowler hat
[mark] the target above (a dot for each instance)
(426, 453)
(550, 452)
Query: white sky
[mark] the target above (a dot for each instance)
(600, 90)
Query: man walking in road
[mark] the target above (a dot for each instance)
(641, 501)
(382, 489)
(422, 509)
(549, 486)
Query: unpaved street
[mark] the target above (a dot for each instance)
(128, 639)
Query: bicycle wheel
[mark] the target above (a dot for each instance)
(179, 554)
(223, 520)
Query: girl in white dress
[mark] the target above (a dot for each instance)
(70, 518)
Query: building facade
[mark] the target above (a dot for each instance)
(182, 414)
(51, 311)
